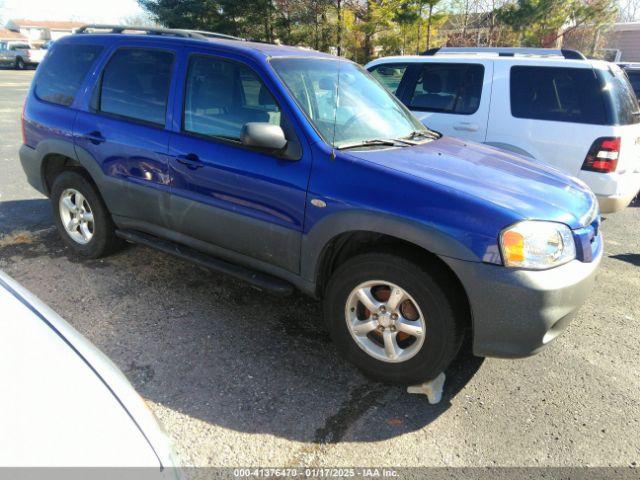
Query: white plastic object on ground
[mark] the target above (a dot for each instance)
(432, 389)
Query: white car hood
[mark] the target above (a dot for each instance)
(62, 402)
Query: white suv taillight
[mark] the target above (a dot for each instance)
(603, 155)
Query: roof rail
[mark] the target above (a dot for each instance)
(208, 34)
(85, 29)
(511, 52)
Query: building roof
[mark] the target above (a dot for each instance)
(51, 25)
(6, 34)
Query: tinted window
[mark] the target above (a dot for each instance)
(222, 96)
(389, 75)
(135, 84)
(634, 78)
(623, 102)
(63, 70)
(448, 88)
(557, 94)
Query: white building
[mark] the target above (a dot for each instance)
(40, 31)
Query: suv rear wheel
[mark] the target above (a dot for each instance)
(20, 63)
(392, 318)
(81, 217)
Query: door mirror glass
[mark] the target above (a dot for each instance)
(263, 135)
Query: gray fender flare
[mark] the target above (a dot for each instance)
(109, 187)
(431, 239)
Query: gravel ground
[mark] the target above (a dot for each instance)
(238, 377)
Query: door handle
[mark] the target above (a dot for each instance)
(94, 137)
(466, 126)
(191, 160)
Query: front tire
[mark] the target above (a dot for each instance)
(81, 217)
(396, 320)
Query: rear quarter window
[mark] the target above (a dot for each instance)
(557, 94)
(62, 72)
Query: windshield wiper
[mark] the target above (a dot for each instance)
(423, 133)
(368, 143)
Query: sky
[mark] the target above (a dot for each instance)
(95, 11)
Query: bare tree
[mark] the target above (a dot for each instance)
(629, 11)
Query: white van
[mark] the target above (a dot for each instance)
(551, 105)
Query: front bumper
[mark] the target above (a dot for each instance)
(517, 312)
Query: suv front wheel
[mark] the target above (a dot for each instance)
(81, 216)
(394, 319)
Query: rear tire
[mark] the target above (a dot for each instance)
(429, 312)
(81, 217)
(20, 65)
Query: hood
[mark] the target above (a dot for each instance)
(524, 187)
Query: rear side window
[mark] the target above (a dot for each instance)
(448, 88)
(222, 96)
(557, 94)
(61, 74)
(135, 85)
(389, 75)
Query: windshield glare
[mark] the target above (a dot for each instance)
(344, 103)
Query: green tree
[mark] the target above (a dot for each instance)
(541, 22)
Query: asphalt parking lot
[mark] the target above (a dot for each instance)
(238, 377)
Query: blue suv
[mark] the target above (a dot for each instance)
(292, 168)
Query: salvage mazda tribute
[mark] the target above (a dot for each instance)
(291, 168)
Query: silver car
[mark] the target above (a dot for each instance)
(63, 402)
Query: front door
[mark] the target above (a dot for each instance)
(451, 97)
(242, 200)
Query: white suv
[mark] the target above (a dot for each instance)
(551, 105)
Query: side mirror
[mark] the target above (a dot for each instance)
(263, 135)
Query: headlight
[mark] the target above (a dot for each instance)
(537, 245)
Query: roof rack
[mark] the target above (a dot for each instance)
(207, 34)
(511, 52)
(85, 29)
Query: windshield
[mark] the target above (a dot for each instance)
(344, 103)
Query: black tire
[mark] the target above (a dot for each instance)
(20, 65)
(104, 240)
(434, 293)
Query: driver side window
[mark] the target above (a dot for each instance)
(221, 96)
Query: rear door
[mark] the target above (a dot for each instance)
(245, 201)
(451, 96)
(125, 131)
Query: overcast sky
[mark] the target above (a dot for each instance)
(96, 11)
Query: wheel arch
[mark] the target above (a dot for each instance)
(349, 244)
(343, 235)
(59, 155)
